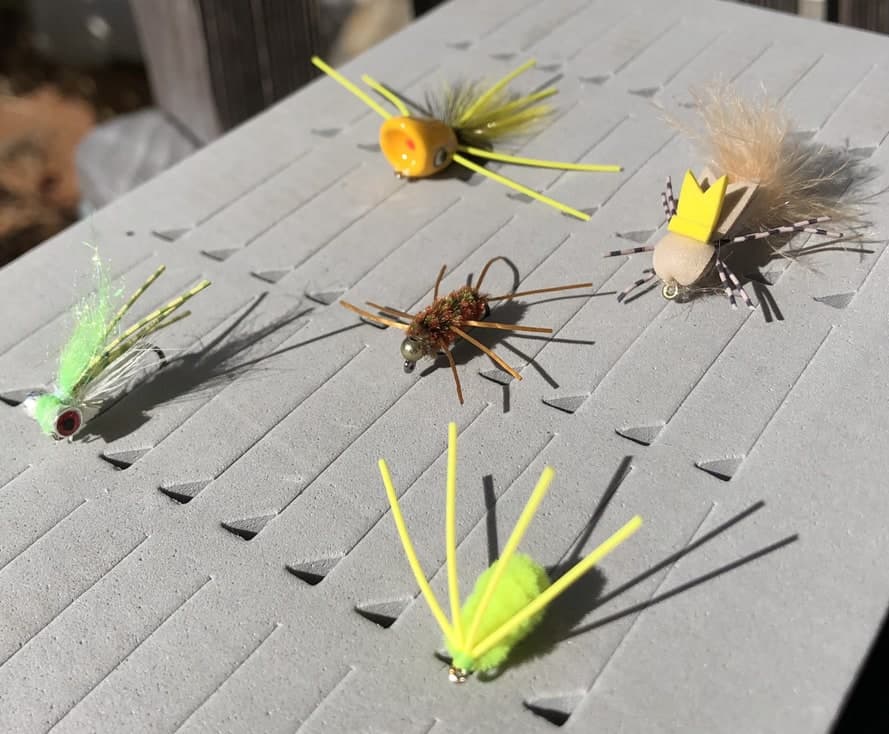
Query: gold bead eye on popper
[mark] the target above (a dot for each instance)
(467, 119)
(509, 598)
(97, 362)
(447, 319)
(768, 178)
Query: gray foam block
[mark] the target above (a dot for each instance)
(216, 554)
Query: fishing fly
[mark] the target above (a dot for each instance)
(769, 178)
(438, 326)
(509, 598)
(97, 361)
(467, 120)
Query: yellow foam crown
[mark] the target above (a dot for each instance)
(698, 211)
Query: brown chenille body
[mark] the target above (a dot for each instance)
(433, 326)
(447, 319)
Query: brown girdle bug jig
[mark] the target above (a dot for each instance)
(438, 326)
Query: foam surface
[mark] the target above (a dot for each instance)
(217, 554)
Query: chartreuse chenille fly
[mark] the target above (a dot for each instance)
(509, 598)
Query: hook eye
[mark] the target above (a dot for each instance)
(456, 675)
(670, 291)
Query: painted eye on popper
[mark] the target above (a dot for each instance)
(98, 361)
(767, 179)
(509, 598)
(467, 119)
(446, 320)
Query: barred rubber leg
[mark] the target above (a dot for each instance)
(665, 204)
(802, 226)
(670, 198)
(720, 268)
(823, 232)
(630, 251)
(736, 284)
(649, 275)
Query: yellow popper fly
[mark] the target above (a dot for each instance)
(468, 119)
(509, 598)
(97, 362)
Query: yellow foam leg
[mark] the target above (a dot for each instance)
(491, 91)
(451, 535)
(509, 549)
(412, 559)
(363, 96)
(557, 588)
(466, 163)
(387, 93)
(539, 163)
(698, 211)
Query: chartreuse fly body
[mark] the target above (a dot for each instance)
(99, 360)
(509, 598)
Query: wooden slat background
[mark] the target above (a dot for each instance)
(872, 15)
(258, 52)
(789, 6)
(216, 63)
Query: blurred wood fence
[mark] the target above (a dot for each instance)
(215, 63)
(872, 15)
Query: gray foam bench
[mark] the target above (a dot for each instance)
(219, 555)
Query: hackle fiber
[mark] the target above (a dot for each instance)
(502, 117)
(752, 139)
(92, 317)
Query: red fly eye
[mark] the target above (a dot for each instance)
(68, 422)
(410, 144)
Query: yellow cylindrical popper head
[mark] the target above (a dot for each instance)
(417, 148)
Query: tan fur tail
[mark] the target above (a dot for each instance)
(751, 139)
